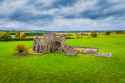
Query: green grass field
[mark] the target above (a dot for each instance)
(58, 68)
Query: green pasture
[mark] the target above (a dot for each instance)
(59, 68)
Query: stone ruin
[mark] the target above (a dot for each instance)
(54, 43)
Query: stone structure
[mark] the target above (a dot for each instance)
(54, 43)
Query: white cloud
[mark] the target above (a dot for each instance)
(60, 23)
(32, 10)
(79, 24)
(78, 7)
(9, 6)
(46, 3)
(15, 25)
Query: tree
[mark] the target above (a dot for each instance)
(78, 35)
(20, 35)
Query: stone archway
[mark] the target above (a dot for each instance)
(57, 45)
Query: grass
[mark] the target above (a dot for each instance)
(58, 68)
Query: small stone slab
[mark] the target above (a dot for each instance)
(104, 54)
(90, 50)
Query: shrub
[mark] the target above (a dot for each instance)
(5, 36)
(34, 33)
(120, 32)
(93, 34)
(107, 33)
(21, 50)
(70, 36)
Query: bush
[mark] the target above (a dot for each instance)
(5, 37)
(93, 34)
(26, 39)
(70, 36)
(107, 33)
(120, 32)
(78, 36)
(21, 50)
(35, 33)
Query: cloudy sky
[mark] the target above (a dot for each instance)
(62, 15)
